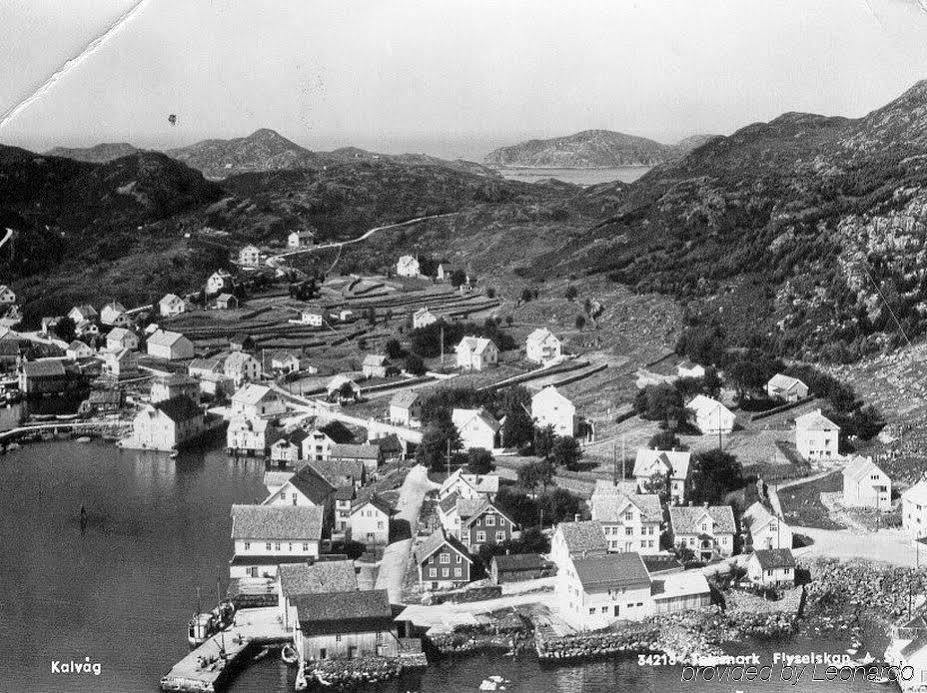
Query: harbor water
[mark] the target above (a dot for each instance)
(120, 593)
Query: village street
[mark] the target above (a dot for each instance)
(886, 546)
(396, 556)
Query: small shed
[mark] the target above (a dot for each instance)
(520, 566)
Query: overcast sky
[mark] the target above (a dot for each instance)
(448, 77)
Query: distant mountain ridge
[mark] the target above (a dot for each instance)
(262, 150)
(592, 149)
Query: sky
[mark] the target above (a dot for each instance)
(447, 77)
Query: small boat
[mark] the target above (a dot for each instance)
(200, 628)
(497, 679)
(82, 439)
(289, 655)
(489, 685)
(260, 655)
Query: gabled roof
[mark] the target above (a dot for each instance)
(119, 333)
(541, 335)
(296, 522)
(464, 417)
(470, 509)
(165, 338)
(344, 612)
(375, 501)
(917, 493)
(312, 485)
(706, 405)
(375, 360)
(115, 306)
(86, 310)
(606, 487)
(481, 483)
(225, 298)
(337, 381)
(251, 394)
(476, 345)
(449, 502)
(44, 368)
(583, 537)
(815, 421)
(520, 561)
(686, 519)
(610, 507)
(78, 345)
(213, 364)
(860, 468)
(756, 517)
(334, 470)
(648, 462)
(179, 409)
(784, 382)
(344, 493)
(317, 578)
(404, 399)
(774, 558)
(170, 298)
(550, 392)
(237, 360)
(435, 541)
(353, 451)
(611, 571)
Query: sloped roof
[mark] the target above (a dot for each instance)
(647, 462)
(312, 485)
(236, 360)
(317, 578)
(520, 561)
(685, 519)
(375, 360)
(463, 417)
(344, 612)
(583, 537)
(119, 333)
(78, 345)
(376, 501)
(469, 509)
(476, 345)
(164, 338)
(179, 409)
(404, 399)
(44, 368)
(859, 468)
(251, 394)
(611, 571)
(449, 502)
(335, 469)
(609, 507)
(170, 298)
(285, 522)
(213, 364)
(815, 421)
(337, 381)
(774, 558)
(756, 516)
(676, 585)
(541, 335)
(780, 381)
(917, 493)
(435, 541)
(702, 404)
(604, 487)
(354, 451)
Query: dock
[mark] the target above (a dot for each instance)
(252, 629)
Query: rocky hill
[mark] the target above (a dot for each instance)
(591, 149)
(262, 150)
(817, 224)
(98, 154)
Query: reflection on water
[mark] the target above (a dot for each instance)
(577, 176)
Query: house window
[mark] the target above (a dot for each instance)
(490, 520)
(629, 516)
(268, 546)
(277, 546)
(338, 637)
(500, 536)
(502, 522)
(591, 610)
(480, 537)
(457, 572)
(457, 558)
(628, 531)
(432, 572)
(247, 545)
(305, 546)
(445, 558)
(445, 572)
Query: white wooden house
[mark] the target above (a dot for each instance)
(241, 367)
(374, 366)
(630, 522)
(219, 281)
(865, 485)
(166, 425)
(477, 428)
(914, 510)
(405, 408)
(542, 346)
(766, 531)
(249, 256)
(771, 568)
(422, 318)
(672, 466)
(120, 338)
(370, 521)
(300, 239)
(707, 531)
(266, 536)
(786, 388)
(550, 408)
(257, 401)
(171, 305)
(114, 315)
(711, 417)
(816, 436)
(171, 346)
(408, 266)
(476, 353)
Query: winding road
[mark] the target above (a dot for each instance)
(275, 260)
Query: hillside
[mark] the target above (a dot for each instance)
(591, 149)
(97, 154)
(816, 223)
(262, 150)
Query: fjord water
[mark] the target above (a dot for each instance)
(121, 592)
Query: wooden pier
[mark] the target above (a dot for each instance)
(204, 670)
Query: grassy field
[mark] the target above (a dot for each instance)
(802, 506)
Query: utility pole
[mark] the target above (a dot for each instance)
(623, 456)
(720, 444)
(448, 457)
(442, 345)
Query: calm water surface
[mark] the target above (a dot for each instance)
(577, 176)
(122, 592)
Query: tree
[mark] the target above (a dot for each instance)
(664, 440)
(571, 293)
(711, 382)
(543, 440)
(658, 483)
(491, 292)
(64, 329)
(747, 376)
(534, 474)
(414, 364)
(480, 461)
(712, 475)
(580, 322)
(393, 349)
(703, 344)
(566, 452)
(458, 277)
(519, 427)
(509, 320)
(439, 435)
(559, 506)
(660, 403)
(526, 295)
(371, 316)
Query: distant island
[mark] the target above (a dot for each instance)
(592, 149)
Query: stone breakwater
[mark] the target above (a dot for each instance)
(511, 632)
(629, 640)
(351, 672)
